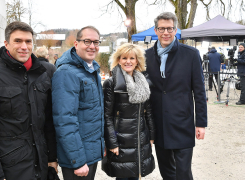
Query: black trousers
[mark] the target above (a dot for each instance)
(210, 80)
(242, 96)
(174, 164)
(68, 174)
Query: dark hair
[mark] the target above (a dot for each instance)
(213, 47)
(80, 34)
(17, 25)
(166, 16)
(242, 44)
(56, 55)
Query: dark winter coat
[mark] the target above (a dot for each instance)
(241, 64)
(78, 111)
(129, 127)
(42, 59)
(26, 116)
(214, 61)
(172, 97)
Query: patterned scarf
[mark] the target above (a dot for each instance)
(138, 90)
(163, 53)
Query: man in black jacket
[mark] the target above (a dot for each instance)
(241, 72)
(176, 73)
(27, 134)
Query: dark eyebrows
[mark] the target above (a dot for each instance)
(18, 39)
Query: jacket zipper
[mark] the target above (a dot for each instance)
(139, 142)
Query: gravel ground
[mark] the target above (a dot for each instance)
(221, 155)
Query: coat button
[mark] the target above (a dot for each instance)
(164, 92)
(85, 82)
(36, 175)
(34, 144)
(73, 161)
(118, 113)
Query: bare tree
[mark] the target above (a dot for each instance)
(15, 11)
(185, 10)
(31, 12)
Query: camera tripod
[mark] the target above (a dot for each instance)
(206, 79)
(230, 77)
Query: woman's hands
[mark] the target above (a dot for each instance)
(115, 151)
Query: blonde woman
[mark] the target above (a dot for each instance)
(129, 126)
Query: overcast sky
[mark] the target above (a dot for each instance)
(75, 14)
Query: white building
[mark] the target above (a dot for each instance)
(2, 21)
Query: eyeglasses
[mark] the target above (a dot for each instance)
(88, 42)
(162, 29)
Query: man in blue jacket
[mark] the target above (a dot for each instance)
(214, 66)
(176, 73)
(78, 110)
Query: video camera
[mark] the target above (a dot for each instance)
(205, 58)
(231, 53)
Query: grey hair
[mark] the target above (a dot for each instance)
(166, 16)
(80, 32)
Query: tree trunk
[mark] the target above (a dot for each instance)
(130, 14)
(129, 11)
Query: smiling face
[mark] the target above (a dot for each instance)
(87, 53)
(165, 38)
(128, 62)
(20, 45)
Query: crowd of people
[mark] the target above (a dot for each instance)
(62, 114)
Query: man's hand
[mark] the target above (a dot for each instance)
(83, 171)
(115, 151)
(54, 165)
(200, 132)
(151, 141)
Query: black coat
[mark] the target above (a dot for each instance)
(129, 127)
(26, 124)
(241, 64)
(172, 97)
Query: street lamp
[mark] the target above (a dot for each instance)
(127, 23)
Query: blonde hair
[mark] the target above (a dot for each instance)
(42, 52)
(128, 48)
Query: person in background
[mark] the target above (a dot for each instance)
(241, 73)
(178, 90)
(213, 66)
(27, 134)
(42, 54)
(129, 127)
(55, 58)
(78, 109)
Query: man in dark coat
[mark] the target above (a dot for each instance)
(241, 72)
(214, 66)
(179, 81)
(27, 134)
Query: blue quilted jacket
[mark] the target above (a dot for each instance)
(78, 111)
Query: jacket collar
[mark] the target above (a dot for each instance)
(119, 80)
(174, 48)
(71, 57)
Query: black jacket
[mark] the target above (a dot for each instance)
(129, 127)
(43, 59)
(26, 114)
(241, 64)
(173, 97)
